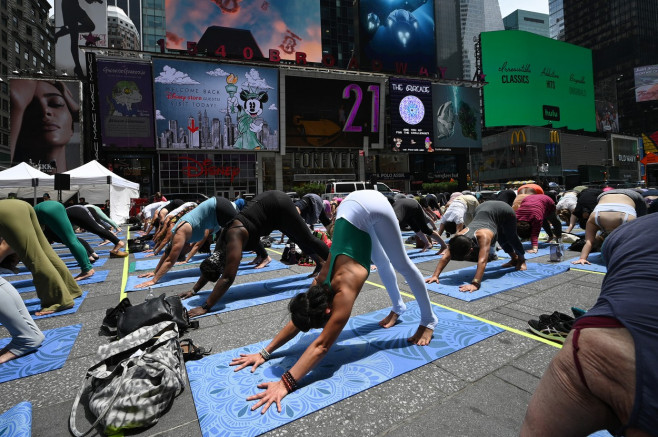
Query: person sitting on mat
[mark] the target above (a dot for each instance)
(366, 227)
(494, 220)
(535, 211)
(266, 212)
(194, 227)
(410, 213)
(605, 376)
(614, 208)
(80, 216)
(53, 281)
(26, 336)
(52, 215)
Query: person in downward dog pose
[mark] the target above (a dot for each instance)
(365, 227)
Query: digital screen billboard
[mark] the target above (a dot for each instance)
(283, 25)
(324, 112)
(533, 80)
(125, 103)
(411, 115)
(45, 124)
(206, 105)
(78, 23)
(457, 117)
(646, 83)
(399, 34)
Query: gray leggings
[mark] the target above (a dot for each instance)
(14, 316)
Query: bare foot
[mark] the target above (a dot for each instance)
(120, 245)
(256, 261)
(5, 355)
(60, 308)
(264, 263)
(85, 275)
(509, 264)
(521, 265)
(389, 320)
(104, 243)
(422, 337)
(43, 313)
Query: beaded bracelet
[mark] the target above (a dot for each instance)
(289, 381)
(265, 354)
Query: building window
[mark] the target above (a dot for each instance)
(4, 36)
(4, 54)
(17, 46)
(26, 56)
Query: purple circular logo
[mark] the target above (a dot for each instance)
(412, 110)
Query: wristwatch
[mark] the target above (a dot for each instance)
(205, 306)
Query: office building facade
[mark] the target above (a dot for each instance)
(528, 21)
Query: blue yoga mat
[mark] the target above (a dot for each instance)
(51, 355)
(152, 262)
(27, 285)
(364, 356)
(187, 276)
(416, 256)
(252, 294)
(496, 279)
(543, 250)
(597, 264)
(68, 256)
(17, 421)
(22, 270)
(34, 305)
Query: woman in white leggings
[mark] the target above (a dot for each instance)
(26, 336)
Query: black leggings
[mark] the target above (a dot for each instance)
(80, 216)
(275, 210)
(98, 218)
(51, 236)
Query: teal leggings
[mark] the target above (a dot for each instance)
(53, 215)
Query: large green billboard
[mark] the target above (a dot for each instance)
(533, 81)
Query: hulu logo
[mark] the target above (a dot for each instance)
(551, 113)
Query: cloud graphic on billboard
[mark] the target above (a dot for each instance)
(158, 115)
(255, 81)
(172, 76)
(272, 107)
(217, 72)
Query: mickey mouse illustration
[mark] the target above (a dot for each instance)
(248, 122)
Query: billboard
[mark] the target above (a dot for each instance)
(283, 25)
(533, 80)
(411, 115)
(45, 124)
(206, 105)
(327, 112)
(646, 83)
(456, 116)
(398, 34)
(78, 23)
(125, 104)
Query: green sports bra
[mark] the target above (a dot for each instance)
(351, 241)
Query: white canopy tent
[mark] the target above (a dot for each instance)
(24, 180)
(97, 184)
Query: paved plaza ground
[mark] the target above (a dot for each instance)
(480, 390)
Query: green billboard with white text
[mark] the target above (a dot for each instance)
(535, 81)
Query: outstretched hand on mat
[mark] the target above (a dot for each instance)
(146, 275)
(274, 392)
(245, 360)
(145, 284)
(581, 261)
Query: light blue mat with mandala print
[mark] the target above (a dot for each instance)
(364, 356)
(22, 270)
(187, 276)
(152, 263)
(17, 421)
(51, 355)
(27, 285)
(596, 260)
(496, 279)
(416, 256)
(252, 294)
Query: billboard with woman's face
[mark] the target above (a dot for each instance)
(45, 124)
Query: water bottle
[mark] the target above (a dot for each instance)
(149, 295)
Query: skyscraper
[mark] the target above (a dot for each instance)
(556, 19)
(622, 36)
(153, 24)
(476, 16)
(528, 21)
(132, 8)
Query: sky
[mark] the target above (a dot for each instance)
(509, 6)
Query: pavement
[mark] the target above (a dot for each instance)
(480, 390)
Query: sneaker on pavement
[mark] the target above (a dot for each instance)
(557, 332)
(556, 317)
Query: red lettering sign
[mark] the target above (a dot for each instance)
(206, 168)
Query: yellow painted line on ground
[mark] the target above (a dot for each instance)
(490, 322)
(126, 266)
(586, 271)
(275, 251)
